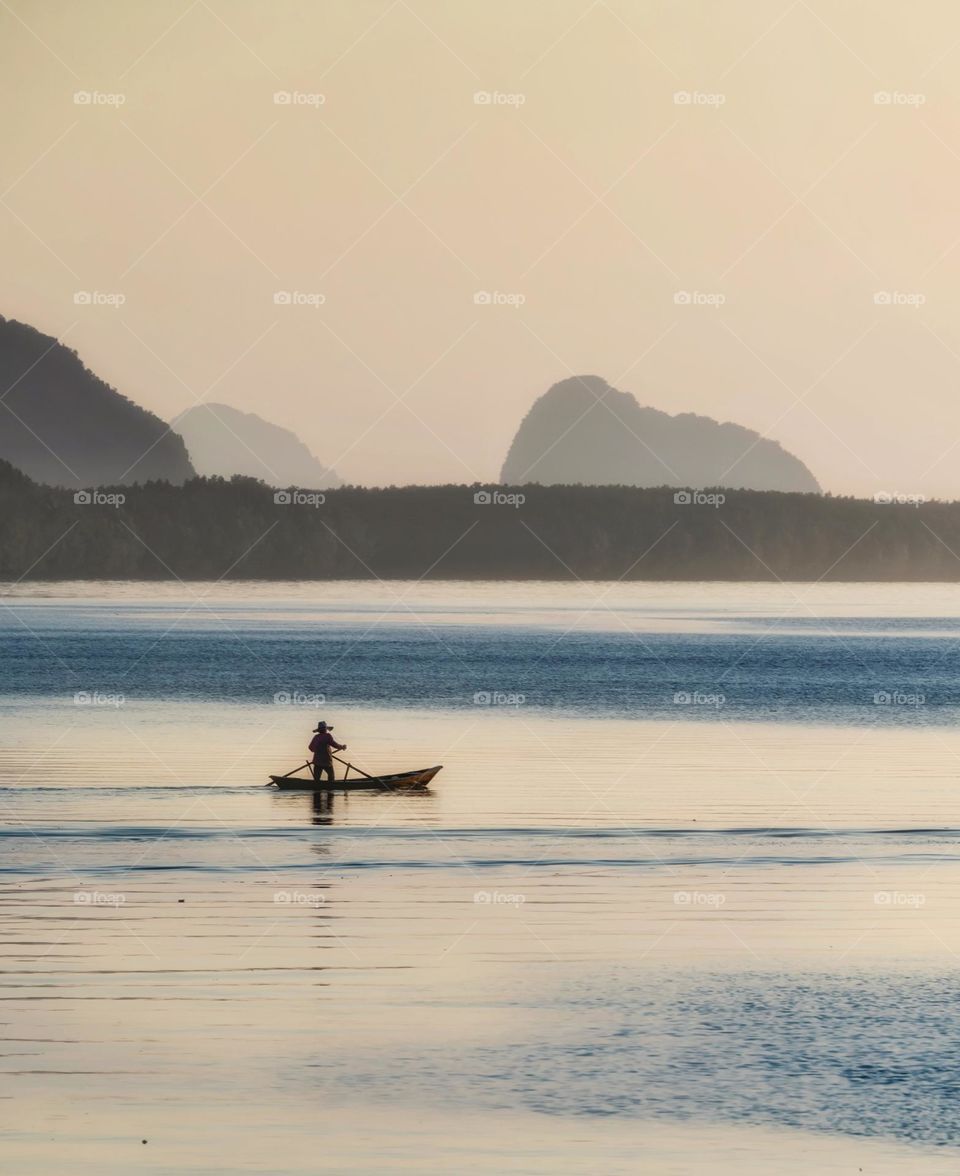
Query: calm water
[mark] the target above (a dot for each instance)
(684, 897)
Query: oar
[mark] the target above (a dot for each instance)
(354, 766)
(366, 775)
(295, 770)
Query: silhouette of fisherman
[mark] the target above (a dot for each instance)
(322, 745)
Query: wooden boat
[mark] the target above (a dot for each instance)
(395, 782)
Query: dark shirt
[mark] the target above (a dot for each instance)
(321, 745)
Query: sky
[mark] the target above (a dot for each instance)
(391, 224)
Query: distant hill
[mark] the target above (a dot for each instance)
(584, 431)
(222, 441)
(63, 425)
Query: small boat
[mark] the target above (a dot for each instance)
(395, 782)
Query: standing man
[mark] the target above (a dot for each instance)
(322, 744)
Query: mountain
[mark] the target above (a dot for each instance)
(63, 425)
(584, 431)
(223, 441)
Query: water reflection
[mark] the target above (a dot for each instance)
(322, 805)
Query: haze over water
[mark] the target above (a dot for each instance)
(683, 896)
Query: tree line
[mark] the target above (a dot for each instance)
(242, 529)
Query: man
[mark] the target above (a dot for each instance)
(322, 744)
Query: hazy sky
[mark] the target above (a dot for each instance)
(783, 187)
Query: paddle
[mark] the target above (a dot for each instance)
(339, 761)
(354, 766)
(295, 770)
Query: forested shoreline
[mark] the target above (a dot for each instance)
(241, 529)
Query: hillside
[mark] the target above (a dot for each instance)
(222, 441)
(63, 425)
(583, 431)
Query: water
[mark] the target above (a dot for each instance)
(682, 898)
(592, 650)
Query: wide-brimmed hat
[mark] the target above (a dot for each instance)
(322, 726)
